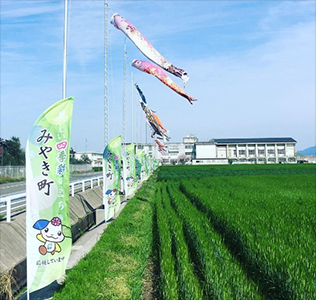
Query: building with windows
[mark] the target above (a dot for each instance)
(225, 151)
(216, 151)
(245, 150)
(175, 152)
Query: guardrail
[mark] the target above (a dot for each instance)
(19, 171)
(81, 185)
(17, 202)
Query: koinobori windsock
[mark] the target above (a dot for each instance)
(145, 47)
(150, 68)
(159, 122)
(142, 97)
(161, 146)
(156, 128)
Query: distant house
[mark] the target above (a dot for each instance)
(95, 157)
(245, 150)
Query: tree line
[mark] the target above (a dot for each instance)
(12, 153)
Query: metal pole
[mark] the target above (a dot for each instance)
(65, 49)
(124, 111)
(106, 109)
(106, 122)
(136, 127)
(124, 83)
(146, 133)
(132, 125)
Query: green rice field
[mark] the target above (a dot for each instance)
(210, 232)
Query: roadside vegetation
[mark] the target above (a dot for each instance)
(4, 179)
(117, 265)
(208, 232)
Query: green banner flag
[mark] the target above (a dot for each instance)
(129, 169)
(138, 166)
(112, 177)
(144, 165)
(141, 168)
(147, 173)
(150, 165)
(156, 163)
(48, 227)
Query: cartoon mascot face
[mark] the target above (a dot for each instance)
(50, 234)
(110, 194)
(130, 181)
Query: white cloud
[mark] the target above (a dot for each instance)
(284, 13)
(269, 90)
(86, 32)
(18, 11)
(251, 65)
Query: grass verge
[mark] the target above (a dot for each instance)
(115, 267)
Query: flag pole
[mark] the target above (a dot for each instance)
(132, 125)
(123, 146)
(106, 123)
(65, 49)
(63, 86)
(124, 85)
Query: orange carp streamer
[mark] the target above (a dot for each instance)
(152, 69)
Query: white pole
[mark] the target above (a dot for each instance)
(106, 109)
(146, 133)
(136, 127)
(106, 122)
(65, 49)
(132, 125)
(124, 82)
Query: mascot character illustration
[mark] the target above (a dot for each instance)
(51, 234)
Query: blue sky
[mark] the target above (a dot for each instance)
(251, 66)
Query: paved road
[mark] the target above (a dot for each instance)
(19, 186)
(12, 187)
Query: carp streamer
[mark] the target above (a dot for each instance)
(146, 48)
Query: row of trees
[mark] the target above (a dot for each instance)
(84, 159)
(12, 154)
